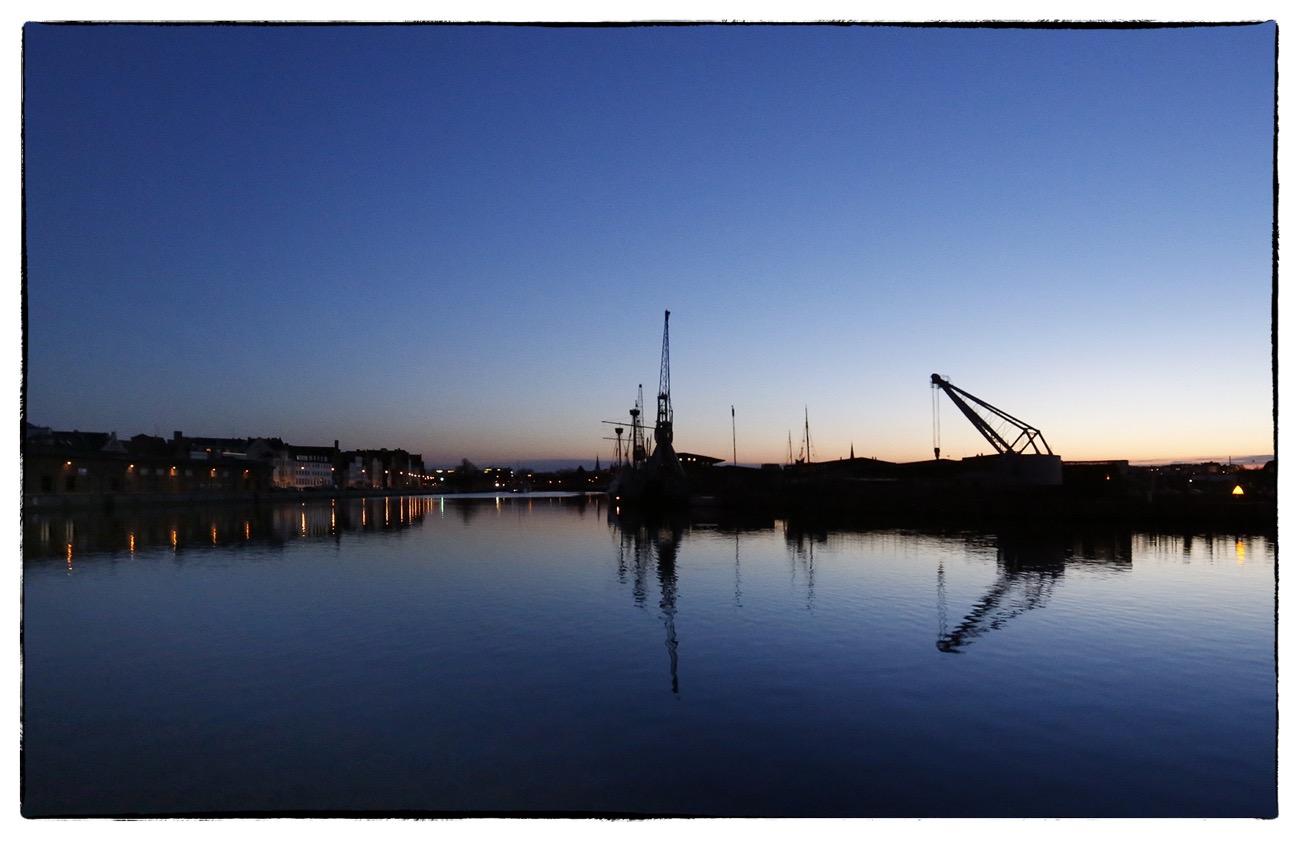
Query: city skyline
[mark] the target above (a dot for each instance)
(461, 241)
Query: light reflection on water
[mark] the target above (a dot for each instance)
(516, 654)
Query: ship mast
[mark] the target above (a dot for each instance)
(638, 430)
(807, 435)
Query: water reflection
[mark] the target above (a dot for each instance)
(802, 544)
(643, 541)
(1029, 567)
(1235, 548)
(436, 670)
(69, 534)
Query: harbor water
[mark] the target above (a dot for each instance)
(525, 656)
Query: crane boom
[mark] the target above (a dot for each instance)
(1027, 435)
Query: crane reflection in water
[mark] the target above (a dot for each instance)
(1028, 569)
(646, 542)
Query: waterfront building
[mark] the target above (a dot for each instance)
(381, 469)
(73, 465)
(88, 464)
(295, 467)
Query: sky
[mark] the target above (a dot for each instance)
(461, 240)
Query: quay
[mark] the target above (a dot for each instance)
(974, 494)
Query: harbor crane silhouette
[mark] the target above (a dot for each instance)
(1026, 435)
(664, 416)
(657, 478)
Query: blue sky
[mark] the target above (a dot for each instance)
(460, 240)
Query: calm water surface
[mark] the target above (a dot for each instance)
(540, 655)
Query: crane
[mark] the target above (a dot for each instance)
(664, 417)
(668, 475)
(1026, 435)
(655, 478)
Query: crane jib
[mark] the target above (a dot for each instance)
(1028, 436)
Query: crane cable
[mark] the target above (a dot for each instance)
(934, 404)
